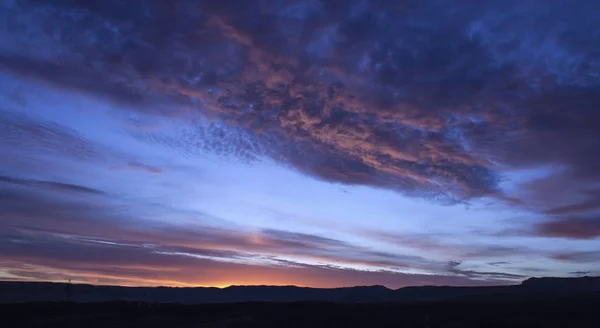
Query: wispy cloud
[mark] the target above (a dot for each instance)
(24, 133)
(39, 227)
(453, 266)
(139, 167)
(55, 258)
(49, 185)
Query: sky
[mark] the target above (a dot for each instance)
(284, 142)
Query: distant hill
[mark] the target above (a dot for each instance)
(15, 292)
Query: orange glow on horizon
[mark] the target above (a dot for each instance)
(241, 275)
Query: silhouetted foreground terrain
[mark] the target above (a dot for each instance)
(580, 312)
(531, 289)
(543, 302)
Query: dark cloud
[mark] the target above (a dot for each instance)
(567, 227)
(453, 267)
(139, 167)
(424, 100)
(80, 79)
(578, 257)
(580, 273)
(50, 185)
(592, 203)
(23, 133)
(46, 210)
(570, 227)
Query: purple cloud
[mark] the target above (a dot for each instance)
(424, 117)
(578, 257)
(139, 167)
(570, 227)
(49, 185)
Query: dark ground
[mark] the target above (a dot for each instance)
(583, 311)
(533, 288)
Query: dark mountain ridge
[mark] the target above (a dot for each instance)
(15, 292)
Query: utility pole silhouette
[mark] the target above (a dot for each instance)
(68, 291)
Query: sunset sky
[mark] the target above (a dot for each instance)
(299, 142)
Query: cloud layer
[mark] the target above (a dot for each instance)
(426, 100)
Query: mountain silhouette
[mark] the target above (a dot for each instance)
(15, 292)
